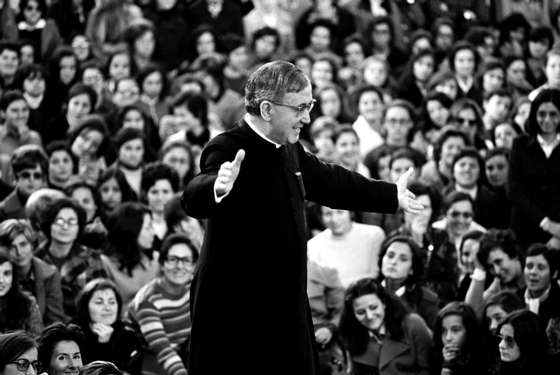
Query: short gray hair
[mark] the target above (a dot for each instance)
(271, 82)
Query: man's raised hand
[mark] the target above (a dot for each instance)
(228, 174)
(407, 200)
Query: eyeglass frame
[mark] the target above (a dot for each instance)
(298, 108)
(174, 261)
(61, 222)
(464, 215)
(24, 367)
(27, 175)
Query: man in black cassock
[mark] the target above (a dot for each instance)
(250, 313)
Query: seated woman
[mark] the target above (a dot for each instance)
(458, 341)
(63, 224)
(60, 349)
(129, 257)
(106, 337)
(402, 270)
(18, 352)
(162, 308)
(17, 309)
(382, 336)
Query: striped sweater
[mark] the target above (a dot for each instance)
(165, 323)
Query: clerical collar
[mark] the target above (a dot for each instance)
(259, 133)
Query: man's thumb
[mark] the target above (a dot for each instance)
(239, 158)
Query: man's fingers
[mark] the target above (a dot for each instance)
(239, 158)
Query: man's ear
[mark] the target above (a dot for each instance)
(265, 109)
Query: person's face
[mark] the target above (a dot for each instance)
(504, 134)
(30, 355)
(34, 86)
(466, 172)
(133, 119)
(348, 149)
(399, 167)
(504, 267)
(30, 180)
(165, 4)
(152, 85)
(509, 350)
(64, 228)
(497, 170)
(354, 55)
(548, 118)
(493, 80)
(459, 217)
(324, 144)
(85, 198)
(370, 106)
(179, 159)
(464, 63)
(68, 68)
(383, 170)
(397, 123)
(330, 103)
(66, 359)
(127, 93)
(21, 251)
(338, 221)
(288, 122)
(486, 49)
(159, 194)
(522, 114)
(17, 113)
(516, 73)
(467, 121)
(397, 262)
(31, 12)
(424, 216)
(468, 253)
(423, 68)
(552, 70)
(6, 277)
(498, 107)
(27, 54)
(381, 35)
(87, 143)
(538, 48)
(110, 192)
(444, 37)
(185, 119)
(131, 153)
(375, 73)
(146, 236)
(369, 311)
(93, 78)
(205, 43)
(81, 45)
(179, 264)
(495, 315)
(8, 63)
(79, 106)
(448, 87)
(239, 58)
(437, 112)
(145, 44)
(537, 274)
(453, 331)
(421, 44)
(103, 307)
(321, 73)
(320, 38)
(119, 66)
(60, 166)
(304, 64)
(450, 148)
(265, 46)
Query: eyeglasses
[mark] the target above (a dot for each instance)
(508, 340)
(300, 109)
(468, 121)
(23, 364)
(60, 222)
(174, 261)
(457, 214)
(31, 8)
(26, 175)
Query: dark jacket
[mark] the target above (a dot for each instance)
(48, 291)
(424, 302)
(256, 240)
(12, 207)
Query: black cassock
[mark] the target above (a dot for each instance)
(250, 313)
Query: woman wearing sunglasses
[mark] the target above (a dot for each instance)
(18, 354)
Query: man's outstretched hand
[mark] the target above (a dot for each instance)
(228, 174)
(407, 200)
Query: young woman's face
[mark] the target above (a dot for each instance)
(450, 148)
(152, 85)
(87, 143)
(537, 274)
(145, 44)
(179, 159)
(205, 43)
(331, 104)
(126, 93)
(322, 73)
(64, 228)
(347, 148)
(131, 153)
(467, 121)
(369, 310)
(354, 55)
(79, 106)
(27, 55)
(158, 195)
(17, 114)
(381, 35)
(552, 70)
(179, 265)
(437, 112)
(146, 236)
(548, 118)
(504, 134)
(423, 68)
(522, 114)
(466, 172)
(397, 262)
(448, 88)
(493, 80)
(375, 73)
(459, 217)
(464, 63)
(60, 166)
(22, 251)
(468, 253)
(110, 192)
(399, 166)
(239, 58)
(30, 355)
(320, 38)
(338, 221)
(6, 277)
(119, 66)
(32, 13)
(497, 170)
(509, 350)
(66, 359)
(68, 67)
(370, 106)
(453, 332)
(538, 48)
(495, 315)
(34, 85)
(516, 73)
(103, 307)
(133, 119)
(84, 197)
(81, 47)
(424, 216)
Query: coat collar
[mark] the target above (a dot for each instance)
(12, 203)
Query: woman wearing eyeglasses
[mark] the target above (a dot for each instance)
(18, 354)
(162, 308)
(62, 224)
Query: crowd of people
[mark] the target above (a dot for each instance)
(106, 105)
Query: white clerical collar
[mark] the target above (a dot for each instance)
(247, 119)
